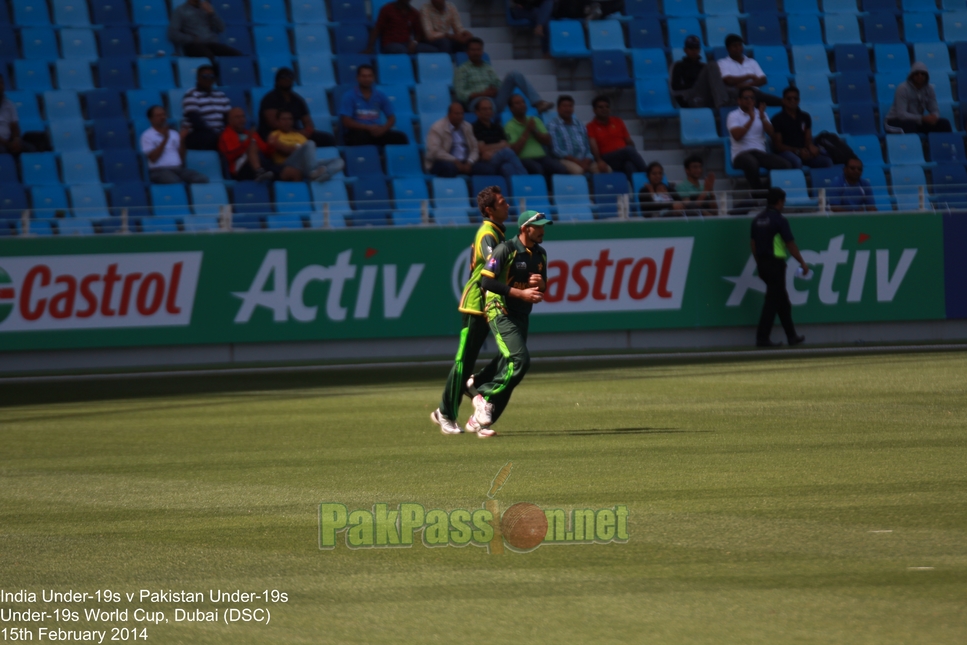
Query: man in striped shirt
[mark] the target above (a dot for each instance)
(205, 110)
(569, 140)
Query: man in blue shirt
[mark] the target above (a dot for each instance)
(360, 112)
(850, 192)
(772, 242)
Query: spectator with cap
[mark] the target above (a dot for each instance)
(611, 142)
(360, 112)
(569, 140)
(496, 155)
(738, 72)
(204, 110)
(165, 149)
(443, 28)
(195, 26)
(793, 138)
(282, 97)
(399, 29)
(851, 192)
(527, 136)
(915, 108)
(476, 79)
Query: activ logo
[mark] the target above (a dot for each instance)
(102, 291)
(272, 289)
(827, 263)
(583, 276)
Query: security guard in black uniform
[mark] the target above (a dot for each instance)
(772, 243)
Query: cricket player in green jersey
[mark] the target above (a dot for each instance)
(514, 278)
(494, 208)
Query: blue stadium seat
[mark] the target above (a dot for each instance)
(196, 223)
(906, 180)
(571, 197)
(919, 6)
(89, 202)
(810, 59)
(649, 63)
(80, 167)
(752, 7)
(121, 165)
(32, 75)
(803, 29)
(285, 221)
(681, 8)
(346, 65)
(822, 116)
(886, 85)
(479, 182)
(270, 65)
(773, 60)
(233, 12)
(936, 56)
(236, 71)
(641, 8)
(116, 42)
(881, 28)
(39, 169)
(867, 147)
(31, 13)
(403, 161)
(111, 13)
(152, 40)
(8, 170)
(823, 178)
(904, 149)
(268, 12)
(129, 195)
(62, 104)
(814, 88)
(239, 37)
(13, 200)
(140, 100)
(155, 73)
(606, 35)
(27, 110)
(332, 195)
(856, 118)
(348, 11)
(188, 70)
(68, 134)
(161, 224)
(646, 33)
(71, 13)
(941, 87)
(853, 87)
(723, 8)
(271, 39)
(842, 29)
(395, 68)
(653, 100)
(608, 187)
(434, 68)
(372, 202)
(170, 200)
(947, 147)
(39, 43)
(531, 192)
(697, 126)
(312, 39)
(153, 13)
(207, 162)
(840, 6)
(680, 28)
(921, 28)
(316, 69)
(114, 73)
(763, 29)
(718, 27)
(49, 201)
(954, 27)
(950, 186)
(432, 99)
(78, 44)
(567, 39)
(37, 227)
(351, 38)
(309, 12)
(881, 6)
(207, 199)
(610, 69)
(292, 197)
(363, 160)
(111, 133)
(409, 195)
(893, 59)
(74, 226)
(74, 75)
(852, 58)
(315, 98)
(792, 181)
(8, 43)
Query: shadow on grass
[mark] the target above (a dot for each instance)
(584, 432)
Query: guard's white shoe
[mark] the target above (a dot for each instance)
(482, 432)
(446, 425)
(483, 411)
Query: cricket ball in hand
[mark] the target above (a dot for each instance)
(524, 525)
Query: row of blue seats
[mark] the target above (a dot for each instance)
(690, 8)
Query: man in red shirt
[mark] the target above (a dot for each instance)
(399, 28)
(610, 141)
(244, 150)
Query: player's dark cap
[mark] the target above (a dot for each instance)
(533, 218)
(692, 42)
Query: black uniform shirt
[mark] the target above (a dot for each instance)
(765, 227)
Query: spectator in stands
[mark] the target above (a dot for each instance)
(915, 106)
(527, 137)
(399, 29)
(851, 192)
(10, 141)
(204, 110)
(496, 156)
(685, 76)
(538, 14)
(360, 113)
(165, 150)
(246, 153)
(451, 148)
(283, 98)
(569, 140)
(747, 129)
(195, 26)
(739, 72)
(793, 138)
(610, 141)
(476, 79)
(655, 197)
(697, 194)
(442, 26)
(296, 155)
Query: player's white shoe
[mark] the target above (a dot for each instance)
(470, 388)
(483, 411)
(482, 432)
(446, 425)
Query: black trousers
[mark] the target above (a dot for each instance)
(209, 50)
(773, 273)
(364, 138)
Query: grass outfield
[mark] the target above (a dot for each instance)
(813, 500)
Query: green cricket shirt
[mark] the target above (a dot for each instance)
(512, 264)
(488, 236)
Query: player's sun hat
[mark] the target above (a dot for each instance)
(533, 218)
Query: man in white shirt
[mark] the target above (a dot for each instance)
(442, 26)
(747, 128)
(165, 150)
(738, 72)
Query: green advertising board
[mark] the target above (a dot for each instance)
(404, 282)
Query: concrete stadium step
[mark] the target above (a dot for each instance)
(492, 35)
(529, 67)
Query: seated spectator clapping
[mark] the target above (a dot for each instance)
(165, 149)
(246, 153)
(527, 136)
